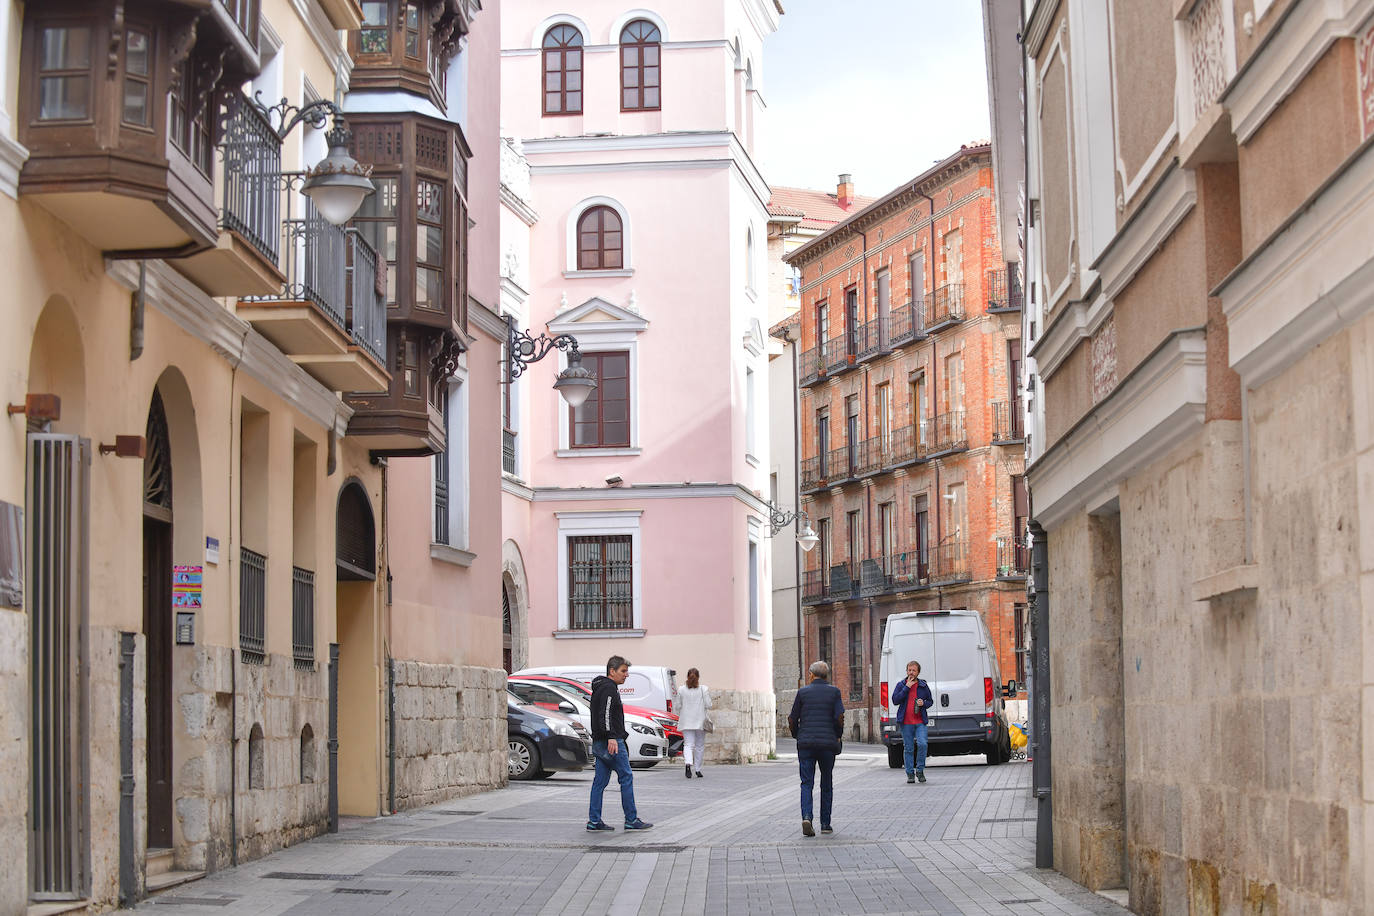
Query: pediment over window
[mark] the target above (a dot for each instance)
(598, 314)
(753, 337)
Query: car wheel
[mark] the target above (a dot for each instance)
(896, 756)
(522, 761)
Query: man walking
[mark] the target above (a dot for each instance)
(817, 722)
(609, 748)
(912, 697)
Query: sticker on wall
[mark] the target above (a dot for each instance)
(186, 586)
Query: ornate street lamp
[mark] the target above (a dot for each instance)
(574, 383)
(338, 182)
(779, 519)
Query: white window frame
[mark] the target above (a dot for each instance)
(593, 524)
(601, 337)
(459, 463)
(626, 268)
(754, 608)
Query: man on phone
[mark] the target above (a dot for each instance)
(912, 697)
(610, 749)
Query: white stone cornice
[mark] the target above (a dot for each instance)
(1154, 409)
(543, 146)
(486, 321)
(523, 211)
(1168, 202)
(234, 339)
(12, 158)
(640, 491)
(1285, 56)
(1312, 277)
(516, 487)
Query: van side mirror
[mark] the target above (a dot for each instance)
(1010, 689)
(565, 706)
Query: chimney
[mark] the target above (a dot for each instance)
(845, 191)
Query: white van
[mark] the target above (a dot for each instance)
(650, 686)
(958, 662)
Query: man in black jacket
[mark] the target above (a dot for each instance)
(817, 722)
(609, 748)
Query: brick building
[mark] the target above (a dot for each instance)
(911, 456)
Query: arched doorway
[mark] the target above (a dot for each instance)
(157, 622)
(515, 605)
(358, 624)
(506, 656)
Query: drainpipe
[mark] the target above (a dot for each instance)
(391, 733)
(233, 757)
(333, 742)
(128, 878)
(1041, 771)
(794, 345)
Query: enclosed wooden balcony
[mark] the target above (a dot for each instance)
(329, 316)
(118, 105)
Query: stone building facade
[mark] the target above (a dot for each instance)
(910, 454)
(1197, 262)
(196, 609)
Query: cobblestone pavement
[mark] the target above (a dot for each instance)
(731, 842)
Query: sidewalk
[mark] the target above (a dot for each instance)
(731, 842)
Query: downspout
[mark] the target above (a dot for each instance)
(333, 811)
(128, 878)
(868, 505)
(391, 733)
(233, 652)
(796, 486)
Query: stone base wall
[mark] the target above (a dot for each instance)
(784, 699)
(744, 723)
(14, 758)
(450, 731)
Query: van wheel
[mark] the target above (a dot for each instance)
(994, 754)
(894, 757)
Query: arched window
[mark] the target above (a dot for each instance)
(639, 67)
(562, 70)
(600, 240)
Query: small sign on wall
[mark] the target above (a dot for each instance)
(212, 551)
(186, 586)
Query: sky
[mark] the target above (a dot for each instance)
(881, 89)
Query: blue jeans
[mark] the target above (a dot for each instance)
(607, 763)
(807, 758)
(914, 737)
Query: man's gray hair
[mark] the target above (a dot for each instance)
(820, 670)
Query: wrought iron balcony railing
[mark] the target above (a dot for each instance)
(843, 463)
(814, 472)
(909, 444)
(1006, 422)
(875, 454)
(838, 583)
(947, 433)
(945, 307)
(811, 366)
(841, 353)
(1004, 291)
(872, 339)
(949, 563)
(252, 177)
(1013, 558)
(813, 586)
(907, 323)
(366, 297)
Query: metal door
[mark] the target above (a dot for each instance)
(57, 508)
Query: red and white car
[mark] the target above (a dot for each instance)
(667, 721)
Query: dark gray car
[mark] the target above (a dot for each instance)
(542, 741)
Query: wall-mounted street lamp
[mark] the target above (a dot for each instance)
(779, 519)
(574, 383)
(338, 182)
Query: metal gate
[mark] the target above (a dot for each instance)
(58, 511)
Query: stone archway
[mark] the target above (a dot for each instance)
(358, 623)
(515, 594)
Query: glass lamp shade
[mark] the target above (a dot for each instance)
(807, 539)
(575, 384)
(337, 185)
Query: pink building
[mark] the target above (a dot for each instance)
(637, 523)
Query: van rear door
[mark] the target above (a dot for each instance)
(957, 684)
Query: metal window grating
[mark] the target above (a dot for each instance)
(303, 618)
(601, 582)
(252, 606)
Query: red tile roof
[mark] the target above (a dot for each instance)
(819, 209)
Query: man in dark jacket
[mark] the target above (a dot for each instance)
(817, 722)
(912, 698)
(609, 748)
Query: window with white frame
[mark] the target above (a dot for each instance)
(608, 338)
(754, 579)
(599, 238)
(450, 470)
(599, 572)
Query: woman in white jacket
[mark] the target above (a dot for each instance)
(694, 701)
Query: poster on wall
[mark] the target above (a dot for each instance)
(186, 584)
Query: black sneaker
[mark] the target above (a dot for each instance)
(599, 825)
(698, 774)
(807, 829)
(920, 775)
(689, 771)
(638, 824)
(827, 829)
(910, 777)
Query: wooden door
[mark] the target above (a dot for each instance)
(157, 630)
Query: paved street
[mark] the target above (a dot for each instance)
(728, 843)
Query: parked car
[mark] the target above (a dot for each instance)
(954, 649)
(651, 686)
(541, 741)
(665, 720)
(647, 744)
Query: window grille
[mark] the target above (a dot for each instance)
(601, 582)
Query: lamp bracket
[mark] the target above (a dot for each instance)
(522, 349)
(288, 116)
(779, 518)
